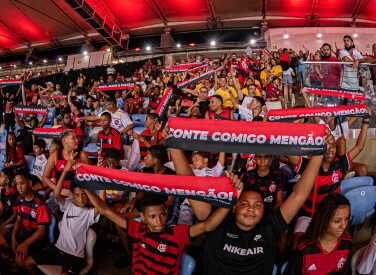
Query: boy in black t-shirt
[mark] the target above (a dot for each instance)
(246, 242)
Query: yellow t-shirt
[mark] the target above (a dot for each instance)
(226, 97)
(276, 70)
(245, 92)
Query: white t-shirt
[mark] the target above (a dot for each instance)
(245, 113)
(110, 70)
(337, 133)
(39, 165)
(216, 171)
(119, 120)
(349, 76)
(74, 226)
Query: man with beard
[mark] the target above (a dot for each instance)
(331, 73)
(349, 78)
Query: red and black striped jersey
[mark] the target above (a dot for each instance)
(111, 140)
(311, 258)
(8, 203)
(150, 138)
(157, 253)
(327, 181)
(60, 163)
(33, 212)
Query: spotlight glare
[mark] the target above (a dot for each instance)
(319, 35)
(286, 36)
(192, 44)
(137, 49)
(85, 52)
(148, 48)
(60, 59)
(44, 61)
(108, 50)
(253, 41)
(178, 45)
(212, 43)
(31, 63)
(355, 35)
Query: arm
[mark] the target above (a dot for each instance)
(201, 209)
(233, 100)
(222, 158)
(59, 186)
(238, 90)
(302, 189)
(22, 248)
(11, 219)
(218, 216)
(361, 141)
(189, 91)
(48, 171)
(105, 210)
(15, 232)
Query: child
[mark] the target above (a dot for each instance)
(325, 247)
(30, 227)
(8, 197)
(14, 155)
(161, 245)
(39, 165)
(200, 161)
(69, 250)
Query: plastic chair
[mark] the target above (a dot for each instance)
(91, 238)
(139, 130)
(367, 262)
(275, 269)
(362, 201)
(236, 116)
(29, 162)
(138, 120)
(356, 182)
(355, 260)
(188, 265)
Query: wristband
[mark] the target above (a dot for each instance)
(366, 115)
(365, 122)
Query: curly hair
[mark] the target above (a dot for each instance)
(323, 214)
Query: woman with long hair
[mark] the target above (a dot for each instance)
(325, 248)
(14, 155)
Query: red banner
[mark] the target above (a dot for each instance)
(165, 102)
(116, 86)
(22, 109)
(196, 79)
(337, 111)
(247, 137)
(214, 190)
(356, 95)
(48, 132)
(11, 82)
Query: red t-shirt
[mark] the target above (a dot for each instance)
(33, 213)
(272, 91)
(112, 140)
(157, 253)
(331, 73)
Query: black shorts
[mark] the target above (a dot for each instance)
(51, 255)
(24, 234)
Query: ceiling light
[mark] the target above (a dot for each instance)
(253, 41)
(31, 63)
(108, 50)
(85, 52)
(44, 61)
(137, 49)
(212, 43)
(192, 44)
(319, 35)
(178, 45)
(60, 59)
(355, 35)
(286, 36)
(148, 48)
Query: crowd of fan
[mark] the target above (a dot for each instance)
(250, 239)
